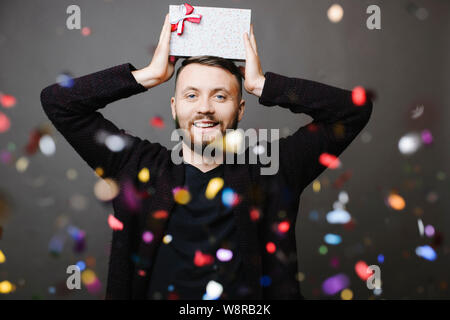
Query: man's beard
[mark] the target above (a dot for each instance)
(193, 145)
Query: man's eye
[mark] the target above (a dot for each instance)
(191, 95)
(219, 95)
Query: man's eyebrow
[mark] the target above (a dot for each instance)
(214, 90)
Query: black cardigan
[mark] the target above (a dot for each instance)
(337, 122)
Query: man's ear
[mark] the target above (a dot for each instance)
(241, 110)
(172, 106)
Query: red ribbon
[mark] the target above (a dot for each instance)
(185, 13)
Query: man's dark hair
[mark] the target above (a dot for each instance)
(214, 62)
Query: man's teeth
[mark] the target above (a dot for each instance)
(204, 125)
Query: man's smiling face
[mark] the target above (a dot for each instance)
(207, 102)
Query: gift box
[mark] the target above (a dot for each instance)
(211, 31)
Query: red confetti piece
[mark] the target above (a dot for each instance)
(157, 122)
(283, 226)
(114, 223)
(329, 160)
(33, 142)
(7, 101)
(160, 214)
(270, 247)
(361, 270)
(359, 96)
(5, 124)
(86, 31)
(202, 259)
(142, 273)
(254, 214)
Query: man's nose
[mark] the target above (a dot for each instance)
(205, 106)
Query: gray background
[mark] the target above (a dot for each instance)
(407, 63)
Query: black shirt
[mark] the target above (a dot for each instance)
(201, 224)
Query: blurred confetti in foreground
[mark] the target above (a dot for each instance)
(335, 13)
(334, 284)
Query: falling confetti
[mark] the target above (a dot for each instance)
(5, 123)
(147, 237)
(429, 231)
(213, 290)
(283, 226)
(417, 112)
(426, 252)
(214, 186)
(229, 197)
(65, 80)
(346, 294)
(106, 189)
(329, 160)
(115, 143)
(409, 143)
(160, 214)
(234, 141)
(334, 284)
(335, 13)
(47, 145)
(270, 247)
(7, 101)
(144, 175)
(396, 202)
(6, 287)
(359, 96)
(71, 174)
(157, 122)
(86, 31)
(114, 223)
(201, 259)
(361, 269)
(224, 255)
(338, 216)
(2, 257)
(332, 239)
(427, 137)
(167, 239)
(181, 195)
(254, 214)
(420, 225)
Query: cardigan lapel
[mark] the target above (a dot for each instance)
(171, 177)
(237, 177)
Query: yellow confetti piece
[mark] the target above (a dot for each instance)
(213, 187)
(316, 186)
(6, 287)
(2, 257)
(144, 175)
(346, 294)
(22, 164)
(182, 196)
(88, 277)
(99, 171)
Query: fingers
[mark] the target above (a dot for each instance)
(164, 39)
(253, 40)
(249, 52)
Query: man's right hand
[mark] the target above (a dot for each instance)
(162, 66)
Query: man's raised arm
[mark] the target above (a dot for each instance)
(336, 123)
(73, 110)
(73, 113)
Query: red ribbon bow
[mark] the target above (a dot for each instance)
(185, 13)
